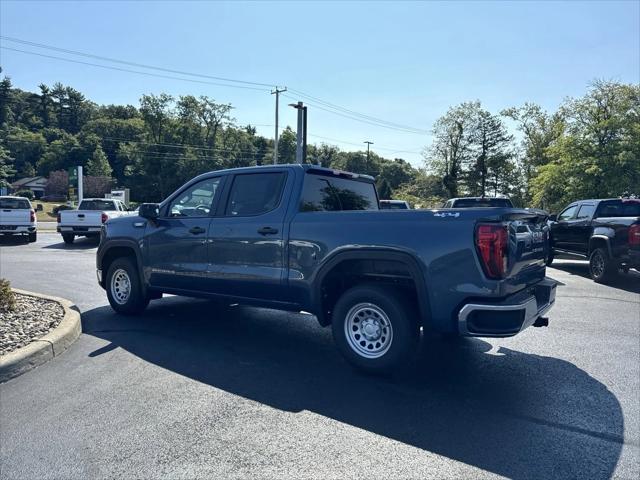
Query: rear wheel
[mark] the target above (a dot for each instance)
(373, 328)
(33, 237)
(68, 238)
(601, 267)
(124, 289)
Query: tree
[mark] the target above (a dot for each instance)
(287, 146)
(57, 183)
(451, 147)
(6, 170)
(96, 186)
(597, 153)
(384, 189)
(98, 165)
(490, 144)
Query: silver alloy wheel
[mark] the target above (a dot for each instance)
(597, 264)
(120, 286)
(368, 330)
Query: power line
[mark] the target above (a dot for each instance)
(110, 67)
(357, 114)
(320, 104)
(133, 64)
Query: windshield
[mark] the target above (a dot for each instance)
(96, 205)
(14, 204)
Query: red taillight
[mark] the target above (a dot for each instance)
(634, 234)
(492, 244)
(104, 217)
(32, 218)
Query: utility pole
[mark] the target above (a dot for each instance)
(80, 185)
(368, 145)
(275, 148)
(304, 135)
(299, 131)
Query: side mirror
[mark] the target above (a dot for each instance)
(150, 211)
(553, 218)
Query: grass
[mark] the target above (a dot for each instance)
(46, 214)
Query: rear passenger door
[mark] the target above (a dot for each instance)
(246, 250)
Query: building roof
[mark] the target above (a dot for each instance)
(30, 182)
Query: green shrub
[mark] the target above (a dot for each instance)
(7, 297)
(25, 193)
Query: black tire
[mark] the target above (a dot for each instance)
(68, 238)
(33, 237)
(601, 268)
(375, 305)
(135, 301)
(550, 258)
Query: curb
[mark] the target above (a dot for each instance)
(45, 348)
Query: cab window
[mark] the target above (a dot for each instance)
(195, 201)
(567, 214)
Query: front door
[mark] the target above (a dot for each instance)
(177, 241)
(561, 228)
(247, 243)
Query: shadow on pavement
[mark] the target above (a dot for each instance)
(13, 240)
(629, 282)
(78, 244)
(504, 411)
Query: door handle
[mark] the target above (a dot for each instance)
(267, 231)
(196, 230)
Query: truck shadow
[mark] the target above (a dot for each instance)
(78, 244)
(514, 414)
(629, 282)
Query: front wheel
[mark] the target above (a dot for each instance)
(601, 267)
(124, 289)
(374, 329)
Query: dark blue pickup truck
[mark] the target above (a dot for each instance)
(305, 238)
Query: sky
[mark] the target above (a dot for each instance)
(404, 62)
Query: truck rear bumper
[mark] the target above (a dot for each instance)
(511, 315)
(79, 230)
(17, 229)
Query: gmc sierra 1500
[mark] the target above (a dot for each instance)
(301, 237)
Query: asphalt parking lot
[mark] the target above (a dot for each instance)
(197, 389)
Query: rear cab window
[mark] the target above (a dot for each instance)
(482, 202)
(97, 205)
(324, 193)
(619, 208)
(14, 204)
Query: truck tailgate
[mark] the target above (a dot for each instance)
(80, 218)
(15, 217)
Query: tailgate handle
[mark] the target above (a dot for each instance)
(81, 215)
(196, 230)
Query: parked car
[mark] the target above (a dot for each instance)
(394, 205)
(478, 202)
(305, 238)
(607, 232)
(87, 220)
(17, 217)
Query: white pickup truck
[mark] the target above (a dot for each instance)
(87, 220)
(17, 217)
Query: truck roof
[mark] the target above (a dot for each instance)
(304, 166)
